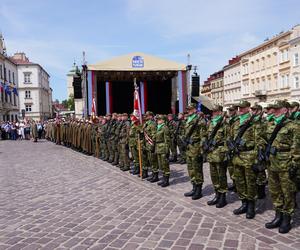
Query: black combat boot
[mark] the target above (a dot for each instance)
(275, 222)
(250, 214)
(136, 171)
(125, 168)
(222, 201)
(198, 192)
(232, 188)
(285, 225)
(150, 177)
(242, 209)
(145, 174)
(183, 161)
(261, 193)
(166, 181)
(215, 200)
(190, 193)
(155, 178)
(161, 181)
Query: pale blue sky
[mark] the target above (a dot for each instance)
(54, 33)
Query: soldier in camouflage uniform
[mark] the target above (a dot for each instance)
(133, 144)
(172, 125)
(179, 137)
(295, 116)
(195, 135)
(215, 149)
(231, 121)
(103, 139)
(119, 124)
(111, 137)
(260, 140)
(149, 130)
(162, 147)
(124, 140)
(284, 154)
(243, 161)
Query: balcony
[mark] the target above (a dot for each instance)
(260, 93)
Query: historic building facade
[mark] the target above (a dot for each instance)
(217, 87)
(232, 82)
(9, 104)
(35, 94)
(268, 72)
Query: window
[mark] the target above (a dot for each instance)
(27, 94)
(28, 108)
(1, 75)
(296, 82)
(27, 77)
(287, 80)
(282, 83)
(15, 100)
(13, 77)
(9, 76)
(296, 59)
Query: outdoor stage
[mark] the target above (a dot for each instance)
(163, 84)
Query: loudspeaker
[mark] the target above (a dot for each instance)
(195, 85)
(77, 87)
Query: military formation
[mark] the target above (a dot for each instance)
(255, 146)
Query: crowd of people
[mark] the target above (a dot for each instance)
(20, 130)
(257, 146)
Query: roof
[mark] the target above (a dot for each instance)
(24, 63)
(137, 62)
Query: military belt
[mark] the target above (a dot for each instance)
(283, 150)
(245, 149)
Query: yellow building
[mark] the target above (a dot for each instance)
(266, 69)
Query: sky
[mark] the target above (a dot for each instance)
(54, 33)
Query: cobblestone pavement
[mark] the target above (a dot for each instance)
(54, 198)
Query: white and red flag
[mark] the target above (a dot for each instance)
(137, 105)
(93, 107)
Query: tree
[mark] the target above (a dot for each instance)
(69, 103)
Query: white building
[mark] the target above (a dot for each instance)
(232, 82)
(295, 65)
(35, 94)
(9, 105)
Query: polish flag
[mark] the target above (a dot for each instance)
(93, 107)
(137, 105)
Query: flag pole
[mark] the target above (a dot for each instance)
(139, 139)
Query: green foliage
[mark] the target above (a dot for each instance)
(69, 103)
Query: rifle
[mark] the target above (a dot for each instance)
(187, 140)
(269, 149)
(210, 143)
(237, 142)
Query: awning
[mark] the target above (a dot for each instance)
(205, 101)
(137, 62)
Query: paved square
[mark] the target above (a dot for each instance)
(54, 198)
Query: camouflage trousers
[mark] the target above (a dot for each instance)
(116, 148)
(124, 161)
(230, 168)
(104, 149)
(218, 176)
(151, 161)
(135, 156)
(111, 150)
(282, 191)
(173, 148)
(261, 178)
(97, 147)
(181, 149)
(195, 169)
(245, 180)
(163, 163)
